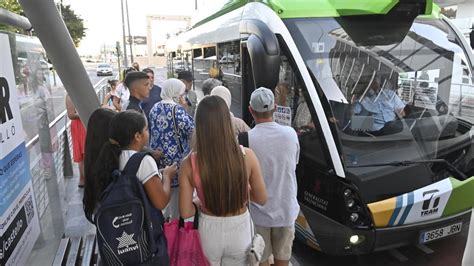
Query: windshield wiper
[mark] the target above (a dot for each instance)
(451, 168)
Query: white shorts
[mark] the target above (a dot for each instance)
(225, 240)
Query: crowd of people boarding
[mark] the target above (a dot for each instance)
(194, 158)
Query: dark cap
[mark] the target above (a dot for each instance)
(185, 75)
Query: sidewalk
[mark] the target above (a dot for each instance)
(75, 222)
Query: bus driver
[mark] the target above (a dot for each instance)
(383, 104)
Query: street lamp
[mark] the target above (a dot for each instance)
(125, 57)
(129, 34)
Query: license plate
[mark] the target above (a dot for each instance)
(431, 235)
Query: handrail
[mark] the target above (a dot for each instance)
(15, 20)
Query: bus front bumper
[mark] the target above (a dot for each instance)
(392, 237)
(333, 237)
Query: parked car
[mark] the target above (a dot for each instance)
(45, 65)
(180, 66)
(104, 69)
(226, 60)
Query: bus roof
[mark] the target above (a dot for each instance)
(322, 8)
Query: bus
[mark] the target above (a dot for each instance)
(369, 178)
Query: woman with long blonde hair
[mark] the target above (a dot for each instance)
(223, 173)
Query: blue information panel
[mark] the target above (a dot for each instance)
(19, 223)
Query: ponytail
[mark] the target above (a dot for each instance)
(107, 161)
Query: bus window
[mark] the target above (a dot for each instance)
(229, 67)
(391, 101)
(209, 52)
(294, 109)
(228, 55)
(198, 68)
(197, 53)
(179, 61)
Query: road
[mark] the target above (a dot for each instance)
(91, 72)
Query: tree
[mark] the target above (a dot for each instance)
(74, 23)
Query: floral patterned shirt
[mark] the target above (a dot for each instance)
(162, 133)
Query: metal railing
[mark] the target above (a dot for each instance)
(101, 88)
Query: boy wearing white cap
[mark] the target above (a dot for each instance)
(277, 150)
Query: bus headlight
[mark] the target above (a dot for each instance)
(350, 203)
(354, 217)
(354, 239)
(347, 192)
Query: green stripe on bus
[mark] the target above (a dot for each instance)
(329, 8)
(462, 196)
(435, 12)
(321, 8)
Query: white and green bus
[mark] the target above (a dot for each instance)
(369, 177)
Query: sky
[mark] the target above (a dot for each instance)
(103, 20)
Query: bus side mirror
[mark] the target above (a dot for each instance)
(264, 52)
(391, 28)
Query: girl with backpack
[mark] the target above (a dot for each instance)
(223, 174)
(128, 134)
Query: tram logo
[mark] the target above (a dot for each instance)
(428, 207)
(5, 110)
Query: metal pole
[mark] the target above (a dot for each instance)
(57, 42)
(61, 8)
(149, 39)
(117, 46)
(105, 53)
(129, 34)
(125, 57)
(15, 20)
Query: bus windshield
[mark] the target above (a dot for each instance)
(394, 100)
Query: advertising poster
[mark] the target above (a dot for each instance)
(19, 223)
(282, 115)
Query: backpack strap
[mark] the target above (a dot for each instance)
(243, 139)
(133, 163)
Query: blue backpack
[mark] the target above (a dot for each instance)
(129, 229)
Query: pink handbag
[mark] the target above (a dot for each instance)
(184, 243)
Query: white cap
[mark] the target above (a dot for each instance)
(262, 100)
